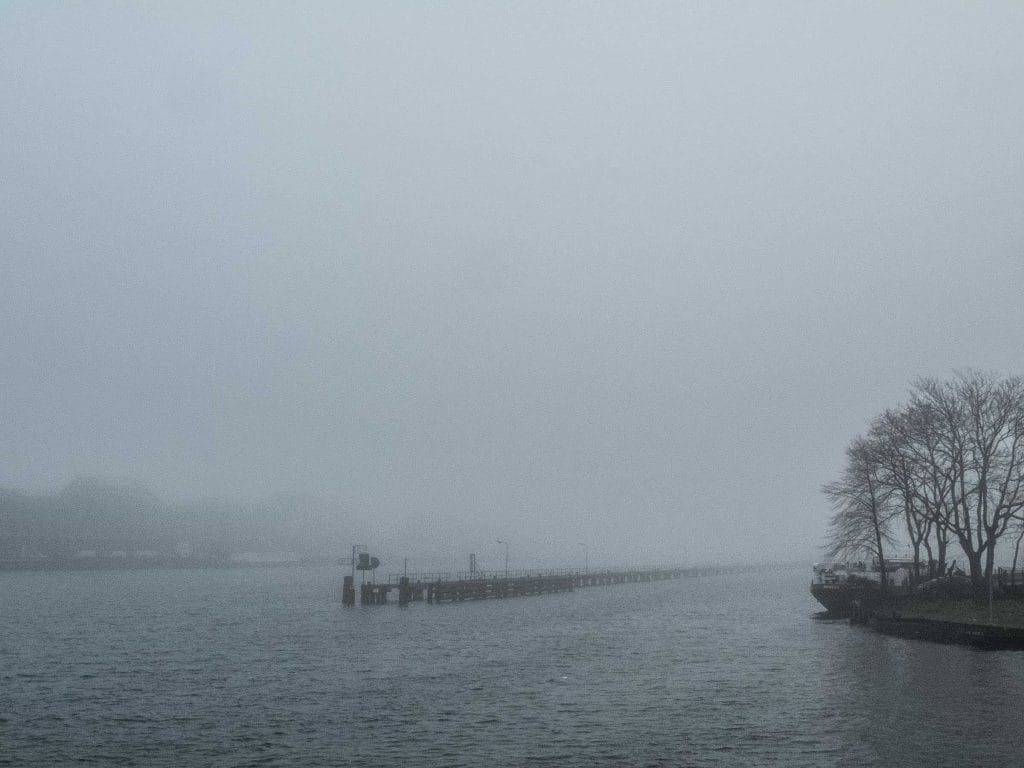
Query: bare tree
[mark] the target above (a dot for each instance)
(897, 470)
(978, 425)
(932, 477)
(950, 465)
(862, 513)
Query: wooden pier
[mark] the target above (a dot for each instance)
(437, 588)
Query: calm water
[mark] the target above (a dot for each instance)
(265, 667)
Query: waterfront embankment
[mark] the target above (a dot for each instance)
(996, 624)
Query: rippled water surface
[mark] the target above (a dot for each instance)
(265, 667)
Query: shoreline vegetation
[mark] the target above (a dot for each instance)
(945, 472)
(941, 476)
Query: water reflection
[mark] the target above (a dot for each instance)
(912, 702)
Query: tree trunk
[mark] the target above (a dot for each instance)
(941, 547)
(977, 572)
(878, 541)
(931, 560)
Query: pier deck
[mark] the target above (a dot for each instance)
(436, 588)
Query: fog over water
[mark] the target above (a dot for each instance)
(623, 275)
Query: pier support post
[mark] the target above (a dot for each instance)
(348, 592)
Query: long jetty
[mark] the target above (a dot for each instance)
(437, 588)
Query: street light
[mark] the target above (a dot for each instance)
(505, 542)
(586, 557)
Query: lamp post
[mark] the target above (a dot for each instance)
(505, 542)
(586, 557)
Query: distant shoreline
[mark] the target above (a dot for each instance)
(154, 564)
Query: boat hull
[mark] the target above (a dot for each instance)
(840, 600)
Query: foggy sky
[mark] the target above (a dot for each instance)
(626, 274)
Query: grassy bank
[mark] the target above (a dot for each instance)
(1005, 612)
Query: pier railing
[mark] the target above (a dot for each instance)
(582, 576)
(395, 578)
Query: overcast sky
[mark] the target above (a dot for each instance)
(625, 274)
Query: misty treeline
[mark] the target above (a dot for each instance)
(99, 517)
(944, 473)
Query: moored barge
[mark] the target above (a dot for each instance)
(842, 588)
